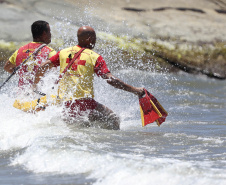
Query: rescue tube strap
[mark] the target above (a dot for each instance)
(69, 65)
(40, 107)
(34, 53)
(18, 67)
(38, 101)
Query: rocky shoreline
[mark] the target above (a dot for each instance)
(190, 36)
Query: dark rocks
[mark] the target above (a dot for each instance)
(180, 9)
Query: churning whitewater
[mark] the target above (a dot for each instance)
(188, 148)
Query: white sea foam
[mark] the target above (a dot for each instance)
(176, 152)
(112, 169)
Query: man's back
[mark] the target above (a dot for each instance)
(41, 34)
(28, 70)
(77, 82)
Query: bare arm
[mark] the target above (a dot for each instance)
(9, 67)
(41, 71)
(119, 84)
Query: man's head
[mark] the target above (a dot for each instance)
(41, 32)
(86, 37)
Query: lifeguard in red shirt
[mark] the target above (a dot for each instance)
(76, 86)
(41, 35)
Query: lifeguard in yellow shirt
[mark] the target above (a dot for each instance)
(76, 86)
(41, 35)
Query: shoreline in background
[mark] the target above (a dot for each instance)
(190, 36)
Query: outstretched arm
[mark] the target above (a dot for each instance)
(119, 84)
(41, 71)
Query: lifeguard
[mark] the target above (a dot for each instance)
(41, 35)
(76, 86)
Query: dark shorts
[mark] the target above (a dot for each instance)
(79, 107)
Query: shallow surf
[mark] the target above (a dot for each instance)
(188, 148)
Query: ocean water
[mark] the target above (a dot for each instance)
(189, 148)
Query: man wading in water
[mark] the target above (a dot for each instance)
(76, 86)
(41, 35)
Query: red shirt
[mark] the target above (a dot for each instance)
(28, 70)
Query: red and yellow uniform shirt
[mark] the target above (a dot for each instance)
(77, 82)
(28, 70)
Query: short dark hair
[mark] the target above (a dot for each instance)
(38, 27)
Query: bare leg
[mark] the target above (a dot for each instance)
(106, 117)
